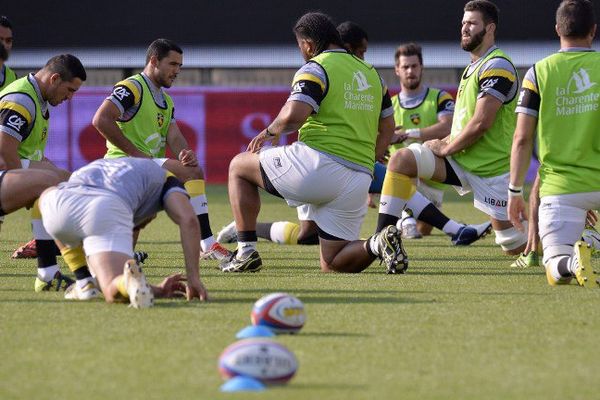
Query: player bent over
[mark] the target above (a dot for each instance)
(101, 204)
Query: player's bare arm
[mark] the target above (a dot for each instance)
(290, 118)
(485, 113)
(105, 121)
(386, 132)
(522, 148)
(9, 152)
(179, 145)
(179, 209)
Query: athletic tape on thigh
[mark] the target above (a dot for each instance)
(512, 238)
(425, 160)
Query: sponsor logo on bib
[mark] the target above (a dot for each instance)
(576, 97)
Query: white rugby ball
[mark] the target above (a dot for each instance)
(280, 312)
(262, 359)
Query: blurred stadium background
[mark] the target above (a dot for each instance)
(239, 57)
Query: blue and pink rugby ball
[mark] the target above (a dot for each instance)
(262, 359)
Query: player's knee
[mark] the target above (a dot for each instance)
(236, 165)
(424, 160)
(403, 162)
(512, 240)
(424, 228)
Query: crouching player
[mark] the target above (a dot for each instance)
(101, 204)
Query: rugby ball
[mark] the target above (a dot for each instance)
(261, 359)
(280, 312)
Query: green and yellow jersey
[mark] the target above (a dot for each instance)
(492, 75)
(348, 98)
(146, 114)
(24, 115)
(563, 92)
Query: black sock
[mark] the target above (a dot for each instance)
(433, 216)
(82, 273)
(205, 231)
(247, 236)
(384, 220)
(46, 250)
(263, 230)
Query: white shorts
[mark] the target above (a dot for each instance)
(490, 195)
(103, 222)
(562, 219)
(434, 195)
(25, 163)
(333, 194)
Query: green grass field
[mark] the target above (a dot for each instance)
(460, 324)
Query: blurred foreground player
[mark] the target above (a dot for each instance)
(101, 204)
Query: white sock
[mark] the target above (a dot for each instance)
(452, 227)
(417, 204)
(82, 282)
(244, 248)
(47, 274)
(553, 265)
(372, 243)
(207, 243)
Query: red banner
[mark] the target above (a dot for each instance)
(232, 120)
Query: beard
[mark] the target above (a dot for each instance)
(412, 84)
(472, 42)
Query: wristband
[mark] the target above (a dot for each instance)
(514, 191)
(271, 134)
(414, 133)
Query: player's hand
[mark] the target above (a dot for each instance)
(188, 158)
(399, 135)
(260, 140)
(533, 238)
(196, 290)
(517, 212)
(172, 286)
(437, 146)
(591, 218)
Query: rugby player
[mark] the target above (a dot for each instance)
(138, 120)
(475, 156)
(99, 207)
(327, 173)
(561, 94)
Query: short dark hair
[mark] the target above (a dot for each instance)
(407, 50)
(575, 18)
(5, 22)
(488, 10)
(160, 48)
(352, 34)
(67, 66)
(319, 28)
